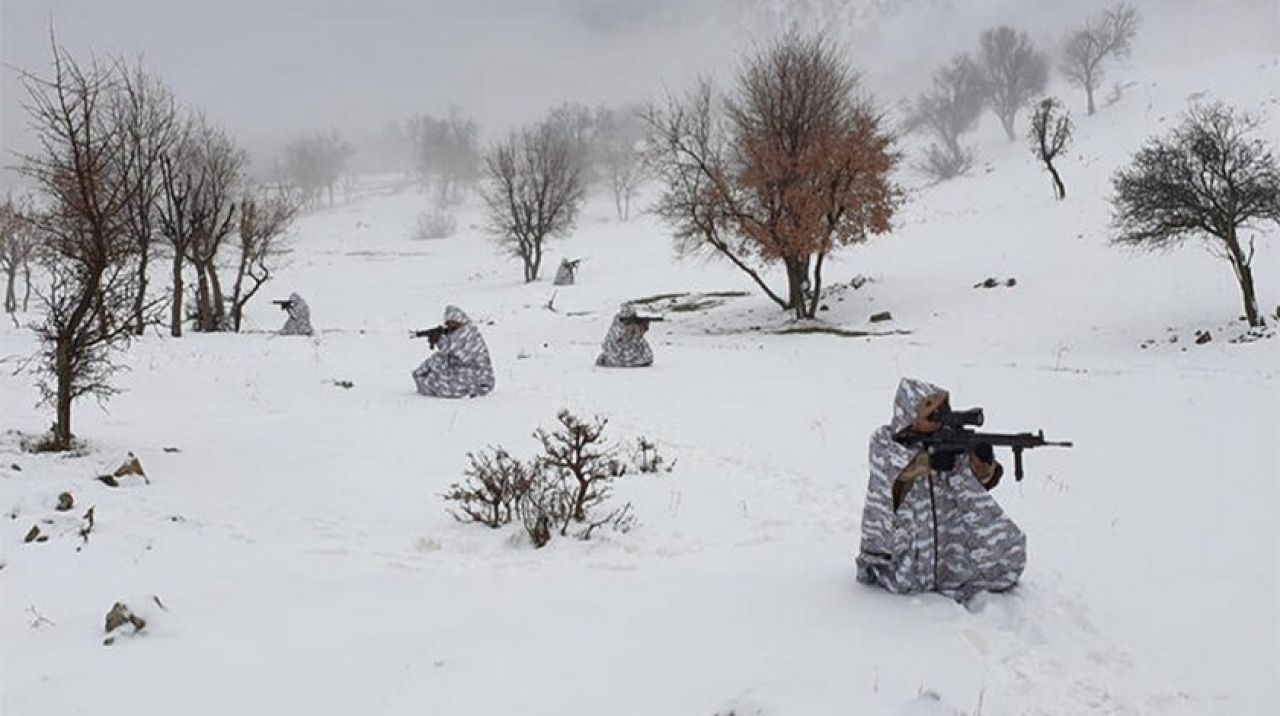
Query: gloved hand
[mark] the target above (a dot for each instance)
(987, 472)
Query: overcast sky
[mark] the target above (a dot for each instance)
(268, 69)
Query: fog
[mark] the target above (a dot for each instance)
(272, 70)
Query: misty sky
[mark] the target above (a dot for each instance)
(266, 65)
(269, 69)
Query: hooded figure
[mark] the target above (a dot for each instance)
(460, 367)
(566, 274)
(624, 346)
(299, 322)
(933, 530)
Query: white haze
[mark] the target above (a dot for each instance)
(272, 70)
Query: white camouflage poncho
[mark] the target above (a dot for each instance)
(977, 547)
(460, 367)
(621, 348)
(566, 274)
(299, 321)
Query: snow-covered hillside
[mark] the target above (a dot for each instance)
(294, 533)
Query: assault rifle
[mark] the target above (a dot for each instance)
(433, 335)
(284, 305)
(642, 321)
(956, 438)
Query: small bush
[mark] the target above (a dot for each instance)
(941, 164)
(435, 225)
(561, 491)
(646, 458)
(491, 491)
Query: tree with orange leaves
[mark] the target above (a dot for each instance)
(791, 166)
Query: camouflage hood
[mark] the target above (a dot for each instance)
(906, 404)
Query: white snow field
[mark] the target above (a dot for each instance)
(306, 565)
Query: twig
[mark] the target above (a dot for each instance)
(38, 618)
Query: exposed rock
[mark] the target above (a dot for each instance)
(65, 502)
(881, 316)
(119, 616)
(131, 466)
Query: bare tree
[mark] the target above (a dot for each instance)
(1208, 178)
(146, 113)
(951, 108)
(264, 220)
(176, 213)
(1014, 71)
(533, 190)
(17, 250)
(315, 163)
(447, 152)
(798, 166)
(87, 252)
(579, 126)
(619, 141)
(1103, 36)
(218, 165)
(1049, 137)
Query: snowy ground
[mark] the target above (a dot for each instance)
(305, 563)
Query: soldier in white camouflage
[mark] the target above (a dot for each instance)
(567, 273)
(299, 321)
(932, 528)
(624, 346)
(460, 366)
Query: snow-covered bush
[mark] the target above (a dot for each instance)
(435, 225)
(942, 164)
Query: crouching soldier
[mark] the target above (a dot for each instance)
(460, 366)
(299, 321)
(567, 273)
(624, 346)
(929, 523)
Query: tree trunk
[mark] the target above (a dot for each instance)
(797, 282)
(535, 262)
(140, 301)
(817, 285)
(62, 369)
(1059, 189)
(1007, 119)
(175, 313)
(1244, 275)
(217, 301)
(10, 297)
(26, 286)
(1088, 91)
(202, 299)
(237, 294)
